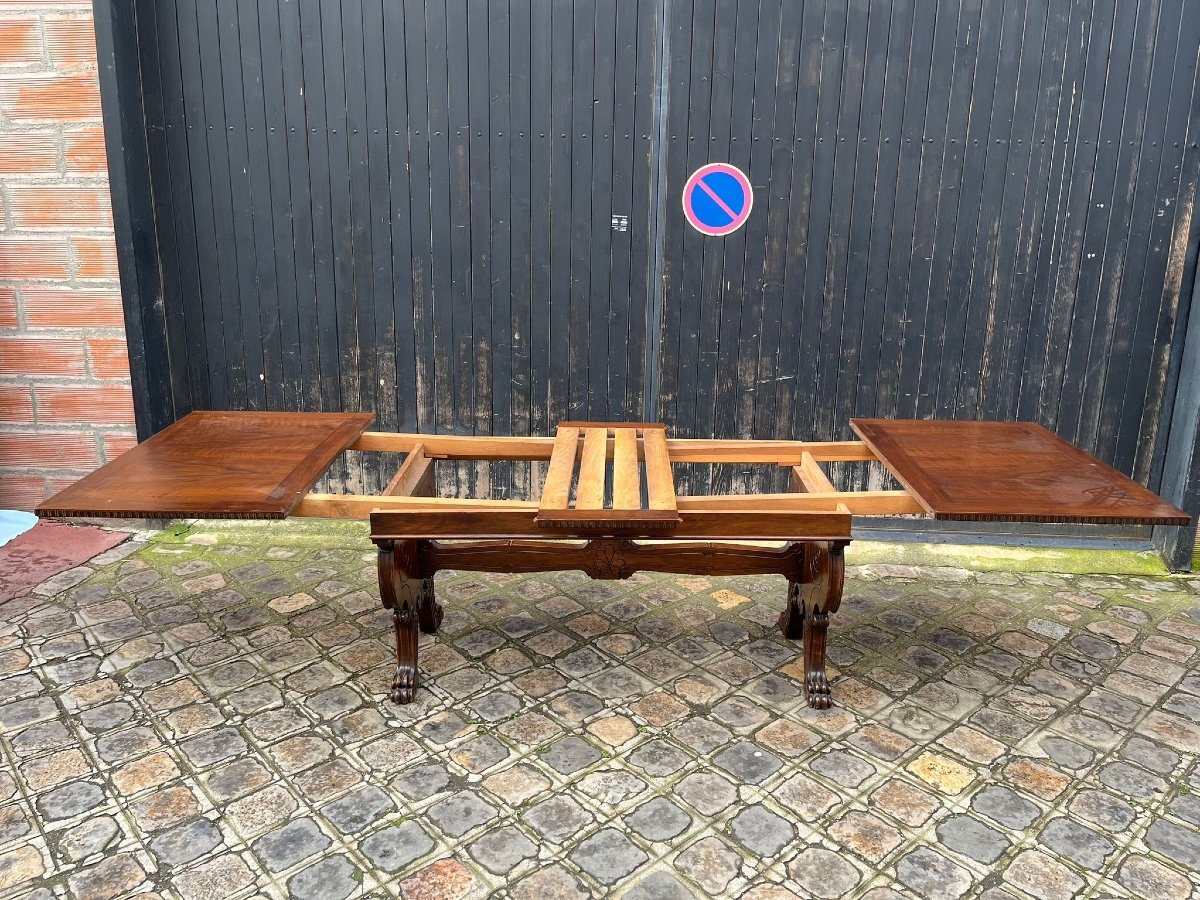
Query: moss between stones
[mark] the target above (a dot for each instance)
(268, 532)
(988, 558)
(985, 558)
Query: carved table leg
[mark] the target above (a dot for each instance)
(826, 563)
(408, 593)
(812, 596)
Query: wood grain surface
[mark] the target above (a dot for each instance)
(243, 465)
(1008, 471)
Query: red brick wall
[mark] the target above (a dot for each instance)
(65, 402)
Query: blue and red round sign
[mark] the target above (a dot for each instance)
(717, 199)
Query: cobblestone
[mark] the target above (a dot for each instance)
(502, 849)
(608, 856)
(932, 876)
(972, 838)
(1078, 843)
(1005, 807)
(558, 818)
(658, 820)
(992, 733)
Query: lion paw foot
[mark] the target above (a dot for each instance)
(816, 687)
(404, 686)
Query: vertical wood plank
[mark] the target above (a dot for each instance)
(543, 365)
(622, 353)
(392, 199)
(752, 53)
(561, 231)
(1142, 373)
(580, 140)
(408, 84)
(175, 332)
(297, 188)
(1010, 228)
(757, 154)
(520, 98)
(602, 358)
(905, 77)
(777, 312)
(238, 235)
(496, 297)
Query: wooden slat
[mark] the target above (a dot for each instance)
(360, 506)
(861, 503)
(414, 478)
(627, 481)
(660, 483)
(812, 476)
(450, 446)
(589, 493)
(557, 491)
(788, 453)
(446, 446)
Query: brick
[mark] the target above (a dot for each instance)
(8, 307)
(96, 404)
(44, 449)
(54, 485)
(110, 357)
(41, 356)
(71, 41)
(116, 444)
(29, 153)
(85, 151)
(60, 206)
(16, 404)
(61, 306)
(20, 42)
(21, 491)
(34, 258)
(50, 98)
(97, 256)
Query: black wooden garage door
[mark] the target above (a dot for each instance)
(465, 215)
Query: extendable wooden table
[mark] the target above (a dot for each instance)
(608, 504)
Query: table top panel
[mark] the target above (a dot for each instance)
(1008, 471)
(215, 465)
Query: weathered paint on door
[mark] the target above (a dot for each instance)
(466, 215)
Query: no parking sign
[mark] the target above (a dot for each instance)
(717, 199)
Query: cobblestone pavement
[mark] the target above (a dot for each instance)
(204, 719)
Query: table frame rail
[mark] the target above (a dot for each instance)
(411, 490)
